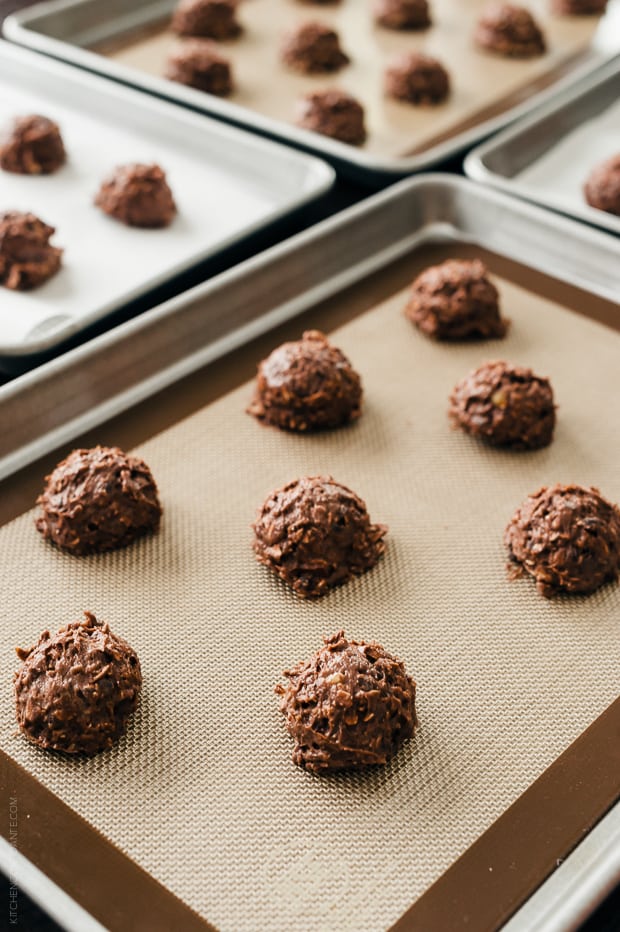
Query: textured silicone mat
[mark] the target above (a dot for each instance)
(201, 792)
(479, 80)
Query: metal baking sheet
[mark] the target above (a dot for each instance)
(227, 184)
(488, 92)
(320, 272)
(547, 157)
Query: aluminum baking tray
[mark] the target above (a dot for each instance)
(153, 370)
(227, 184)
(487, 95)
(547, 157)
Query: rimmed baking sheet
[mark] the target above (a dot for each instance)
(488, 91)
(226, 183)
(496, 665)
(548, 157)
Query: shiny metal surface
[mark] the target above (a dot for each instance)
(499, 161)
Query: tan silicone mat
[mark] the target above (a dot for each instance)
(201, 792)
(480, 81)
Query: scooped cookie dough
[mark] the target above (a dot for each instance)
(402, 14)
(32, 145)
(579, 7)
(206, 19)
(197, 63)
(505, 405)
(456, 301)
(350, 706)
(333, 113)
(27, 258)
(76, 690)
(316, 534)
(97, 500)
(511, 31)
(137, 195)
(602, 189)
(307, 385)
(566, 537)
(417, 79)
(313, 48)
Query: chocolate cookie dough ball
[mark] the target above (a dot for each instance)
(602, 189)
(579, 7)
(333, 113)
(567, 538)
(206, 19)
(313, 48)
(350, 706)
(32, 146)
(97, 500)
(316, 534)
(75, 691)
(402, 14)
(417, 79)
(456, 301)
(506, 406)
(137, 195)
(198, 63)
(307, 385)
(27, 258)
(511, 31)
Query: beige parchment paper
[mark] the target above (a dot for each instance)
(479, 80)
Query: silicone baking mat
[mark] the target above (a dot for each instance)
(201, 792)
(482, 84)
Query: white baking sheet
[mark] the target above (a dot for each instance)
(226, 183)
(558, 176)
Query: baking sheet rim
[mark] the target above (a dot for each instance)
(476, 168)
(446, 186)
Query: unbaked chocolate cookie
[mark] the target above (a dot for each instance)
(602, 189)
(505, 405)
(76, 690)
(456, 301)
(417, 79)
(579, 7)
(198, 63)
(206, 19)
(27, 258)
(313, 48)
(402, 14)
(352, 705)
(32, 145)
(316, 534)
(97, 500)
(307, 385)
(511, 31)
(567, 538)
(137, 195)
(332, 113)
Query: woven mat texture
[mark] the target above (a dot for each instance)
(201, 791)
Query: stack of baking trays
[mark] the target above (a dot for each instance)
(409, 507)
